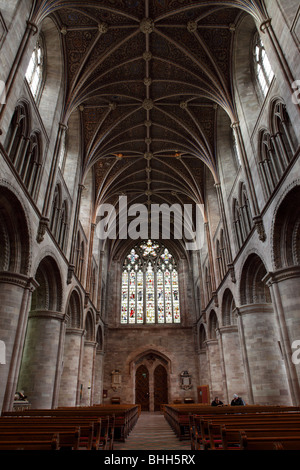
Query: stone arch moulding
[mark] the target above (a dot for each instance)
(240, 269)
(37, 261)
(253, 290)
(274, 253)
(27, 237)
(75, 292)
(89, 325)
(143, 351)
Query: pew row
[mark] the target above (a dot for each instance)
(178, 416)
(97, 426)
(223, 432)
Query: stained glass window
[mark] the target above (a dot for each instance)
(150, 290)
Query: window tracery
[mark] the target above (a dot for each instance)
(150, 287)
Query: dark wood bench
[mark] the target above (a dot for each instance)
(231, 438)
(178, 416)
(205, 429)
(22, 444)
(66, 439)
(122, 418)
(88, 430)
(269, 442)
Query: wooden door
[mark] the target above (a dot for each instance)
(160, 387)
(203, 394)
(142, 387)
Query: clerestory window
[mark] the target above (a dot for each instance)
(34, 73)
(263, 69)
(150, 288)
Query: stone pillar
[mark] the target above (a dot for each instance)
(87, 375)
(69, 383)
(215, 368)
(264, 366)
(98, 386)
(89, 269)
(15, 298)
(41, 362)
(234, 376)
(44, 221)
(203, 368)
(285, 293)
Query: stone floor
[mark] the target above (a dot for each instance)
(152, 432)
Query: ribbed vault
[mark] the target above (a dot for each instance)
(148, 78)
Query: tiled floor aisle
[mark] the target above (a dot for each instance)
(152, 432)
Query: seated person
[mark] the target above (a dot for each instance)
(20, 396)
(217, 402)
(237, 401)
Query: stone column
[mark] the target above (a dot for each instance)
(234, 376)
(264, 366)
(87, 375)
(44, 221)
(69, 383)
(250, 184)
(285, 293)
(41, 362)
(203, 368)
(89, 270)
(15, 298)
(98, 386)
(215, 368)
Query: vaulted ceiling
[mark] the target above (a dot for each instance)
(148, 77)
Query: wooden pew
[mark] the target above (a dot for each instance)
(87, 430)
(268, 442)
(66, 439)
(22, 444)
(286, 445)
(231, 438)
(123, 417)
(205, 429)
(178, 415)
(215, 431)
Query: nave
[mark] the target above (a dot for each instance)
(152, 432)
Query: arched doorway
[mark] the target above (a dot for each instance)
(151, 375)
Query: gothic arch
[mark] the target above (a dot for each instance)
(228, 307)
(49, 294)
(52, 91)
(74, 310)
(143, 351)
(252, 287)
(246, 94)
(213, 324)
(286, 230)
(89, 326)
(14, 234)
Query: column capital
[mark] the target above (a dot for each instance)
(7, 277)
(32, 27)
(283, 274)
(265, 25)
(48, 314)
